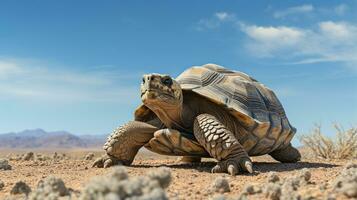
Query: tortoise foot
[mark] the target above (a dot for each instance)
(107, 161)
(233, 166)
(288, 154)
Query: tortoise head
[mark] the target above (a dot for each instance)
(161, 91)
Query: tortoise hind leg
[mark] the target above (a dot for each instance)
(190, 159)
(289, 154)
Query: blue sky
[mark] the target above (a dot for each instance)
(77, 65)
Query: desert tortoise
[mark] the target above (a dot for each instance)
(207, 111)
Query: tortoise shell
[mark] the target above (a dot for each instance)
(265, 126)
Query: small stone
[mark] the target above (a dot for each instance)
(20, 188)
(331, 197)
(251, 189)
(161, 174)
(89, 156)
(51, 184)
(221, 185)
(346, 182)
(272, 191)
(350, 190)
(305, 174)
(28, 156)
(273, 177)
(242, 197)
(2, 185)
(219, 197)
(119, 173)
(4, 165)
(350, 165)
(117, 185)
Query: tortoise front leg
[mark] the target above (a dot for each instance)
(221, 144)
(175, 143)
(125, 141)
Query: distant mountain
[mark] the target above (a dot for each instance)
(38, 138)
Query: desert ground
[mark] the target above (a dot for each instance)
(189, 181)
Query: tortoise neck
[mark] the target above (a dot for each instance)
(171, 116)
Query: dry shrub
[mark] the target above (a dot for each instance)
(343, 146)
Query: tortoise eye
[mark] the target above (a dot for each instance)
(167, 81)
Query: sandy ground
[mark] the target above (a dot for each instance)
(189, 181)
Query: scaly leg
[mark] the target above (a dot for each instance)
(221, 144)
(123, 144)
(288, 154)
(175, 143)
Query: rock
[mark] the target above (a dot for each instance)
(219, 197)
(89, 156)
(40, 157)
(55, 156)
(350, 165)
(305, 175)
(20, 188)
(4, 165)
(273, 177)
(346, 182)
(350, 190)
(162, 175)
(119, 173)
(221, 185)
(251, 189)
(51, 184)
(28, 156)
(2, 185)
(272, 191)
(117, 185)
(242, 197)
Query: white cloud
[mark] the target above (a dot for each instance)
(39, 81)
(328, 41)
(214, 21)
(302, 9)
(8, 68)
(266, 41)
(338, 31)
(222, 15)
(282, 34)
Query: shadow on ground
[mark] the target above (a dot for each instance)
(259, 167)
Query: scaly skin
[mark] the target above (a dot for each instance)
(125, 141)
(174, 143)
(221, 145)
(289, 154)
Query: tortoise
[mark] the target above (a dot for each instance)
(207, 111)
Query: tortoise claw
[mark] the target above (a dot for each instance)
(108, 163)
(247, 165)
(232, 170)
(233, 166)
(98, 163)
(216, 169)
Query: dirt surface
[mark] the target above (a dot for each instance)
(188, 181)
